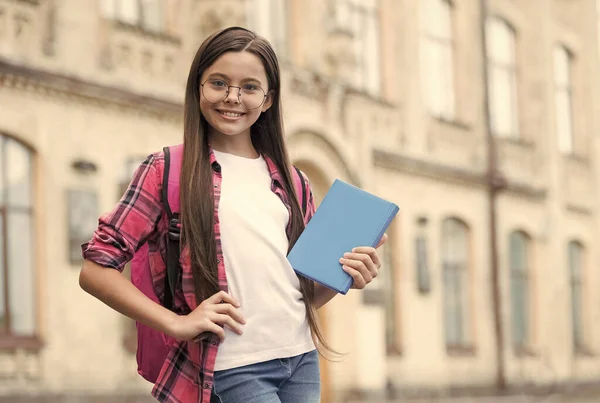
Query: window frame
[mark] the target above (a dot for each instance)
(8, 339)
(566, 145)
(362, 19)
(576, 278)
(460, 268)
(524, 275)
(507, 68)
(115, 13)
(447, 111)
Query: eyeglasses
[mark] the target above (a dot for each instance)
(251, 96)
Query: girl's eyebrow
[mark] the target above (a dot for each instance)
(226, 78)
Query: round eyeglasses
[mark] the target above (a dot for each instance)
(251, 96)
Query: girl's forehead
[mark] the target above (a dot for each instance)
(238, 66)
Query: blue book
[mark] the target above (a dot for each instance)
(348, 217)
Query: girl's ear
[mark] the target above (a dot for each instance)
(268, 102)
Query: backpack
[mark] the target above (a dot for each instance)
(152, 345)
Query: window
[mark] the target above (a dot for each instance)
(17, 248)
(437, 59)
(502, 78)
(563, 93)
(455, 269)
(148, 15)
(519, 289)
(576, 267)
(422, 266)
(360, 19)
(269, 18)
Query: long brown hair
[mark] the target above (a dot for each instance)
(196, 174)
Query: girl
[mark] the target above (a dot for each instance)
(239, 217)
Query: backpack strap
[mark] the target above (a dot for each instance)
(170, 199)
(302, 192)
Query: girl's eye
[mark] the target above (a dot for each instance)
(218, 83)
(250, 88)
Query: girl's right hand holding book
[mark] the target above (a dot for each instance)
(210, 316)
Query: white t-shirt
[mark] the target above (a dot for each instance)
(253, 223)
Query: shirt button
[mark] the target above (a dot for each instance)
(207, 385)
(218, 261)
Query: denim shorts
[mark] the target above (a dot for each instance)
(284, 380)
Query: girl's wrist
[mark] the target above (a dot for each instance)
(172, 324)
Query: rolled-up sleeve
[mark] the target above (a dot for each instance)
(310, 203)
(124, 229)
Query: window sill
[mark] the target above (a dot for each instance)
(524, 352)
(456, 123)
(457, 350)
(11, 342)
(577, 158)
(584, 352)
(517, 141)
(159, 36)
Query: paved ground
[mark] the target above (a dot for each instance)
(557, 398)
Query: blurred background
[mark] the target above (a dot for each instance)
(477, 117)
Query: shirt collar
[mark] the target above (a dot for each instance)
(273, 171)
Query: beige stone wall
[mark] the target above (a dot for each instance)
(79, 87)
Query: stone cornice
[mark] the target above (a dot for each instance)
(60, 84)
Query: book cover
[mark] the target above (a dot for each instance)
(348, 217)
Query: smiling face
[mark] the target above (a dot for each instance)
(223, 111)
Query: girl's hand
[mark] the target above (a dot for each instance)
(363, 264)
(210, 316)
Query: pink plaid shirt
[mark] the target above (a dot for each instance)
(187, 374)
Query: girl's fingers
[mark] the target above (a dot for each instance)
(216, 329)
(358, 260)
(383, 239)
(228, 309)
(222, 296)
(359, 281)
(227, 320)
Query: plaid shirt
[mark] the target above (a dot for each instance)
(187, 374)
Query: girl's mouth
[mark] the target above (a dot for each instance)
(230, 114)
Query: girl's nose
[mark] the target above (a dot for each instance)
(233, 96)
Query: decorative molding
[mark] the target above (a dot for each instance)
(327, 146)
(390, 160)
(309, 84)
(29, 78)
(579, 209)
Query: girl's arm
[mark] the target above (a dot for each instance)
(116, 291)
(112, 288)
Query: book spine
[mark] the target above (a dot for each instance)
(384, 226)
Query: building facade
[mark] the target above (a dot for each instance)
(478, 118)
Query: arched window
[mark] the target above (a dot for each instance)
(455, 269)
(520, 285)
(576, 253)
(17, 247)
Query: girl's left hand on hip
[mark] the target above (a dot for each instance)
(363, 264)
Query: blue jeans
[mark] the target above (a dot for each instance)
(284, 380)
